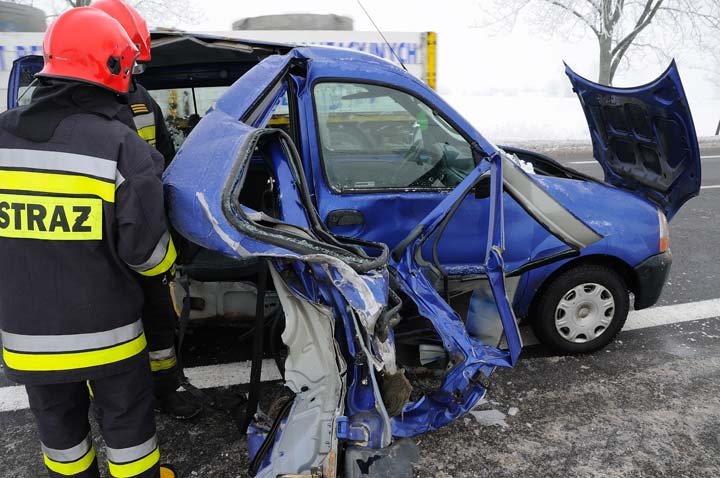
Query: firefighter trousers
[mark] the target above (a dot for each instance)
(126, 405)
(159, 319)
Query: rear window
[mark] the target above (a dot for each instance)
(183, 108)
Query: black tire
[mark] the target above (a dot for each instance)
(543, 322)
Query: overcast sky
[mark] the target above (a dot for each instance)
(472, 58)
(515, 62)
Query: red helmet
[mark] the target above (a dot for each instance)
(133, 23)
(86, 44)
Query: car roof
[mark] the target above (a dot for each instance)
(194, 45)
(171, 48)
(181, 58)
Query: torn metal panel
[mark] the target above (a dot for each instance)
(315, 372)
(332, 283)
(470, 359)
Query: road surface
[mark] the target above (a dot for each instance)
(647, 405)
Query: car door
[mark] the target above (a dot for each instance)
(387, 159)
(21, 78)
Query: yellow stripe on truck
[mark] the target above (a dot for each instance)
(431, 59)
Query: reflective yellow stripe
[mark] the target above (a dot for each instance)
(134, 468)
(51, 218)
(57, 183)
(73, 360)
(148, 134)
(90, 390)
(73, 467)
(165, 264)
(166, 364)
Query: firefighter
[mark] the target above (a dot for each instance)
(81, 217)
(145, 116)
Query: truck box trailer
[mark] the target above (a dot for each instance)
(416, 50)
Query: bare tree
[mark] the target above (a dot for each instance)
(621, 25)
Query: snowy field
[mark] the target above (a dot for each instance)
(526, 118)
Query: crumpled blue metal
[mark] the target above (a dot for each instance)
(221, 148)
(462, 387)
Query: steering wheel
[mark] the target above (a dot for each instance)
(440, 155)
(412, 155)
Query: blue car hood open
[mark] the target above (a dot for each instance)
(644, 137)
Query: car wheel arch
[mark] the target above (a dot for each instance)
(618, 265)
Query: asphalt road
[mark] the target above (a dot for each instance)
(647, 405)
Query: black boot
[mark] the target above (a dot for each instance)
(181, 406)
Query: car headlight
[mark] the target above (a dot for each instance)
(664, 232)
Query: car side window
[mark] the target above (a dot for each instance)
(374, 137)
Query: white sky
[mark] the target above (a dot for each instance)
(510, 82)
(472, 59)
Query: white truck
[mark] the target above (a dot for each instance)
(416, 50)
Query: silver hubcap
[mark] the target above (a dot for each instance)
(584, 313)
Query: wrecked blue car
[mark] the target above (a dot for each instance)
(380, 150)
(344, 299)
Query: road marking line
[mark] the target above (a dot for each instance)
(227, 374)
(664, 315)
(595, 162)
(712, 186)
(672, 314)
(14, 398)
(209, 376)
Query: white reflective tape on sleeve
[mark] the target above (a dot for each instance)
(58, 162)
(143, 121)
(157, 255)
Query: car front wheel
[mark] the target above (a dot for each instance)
(582, 309)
